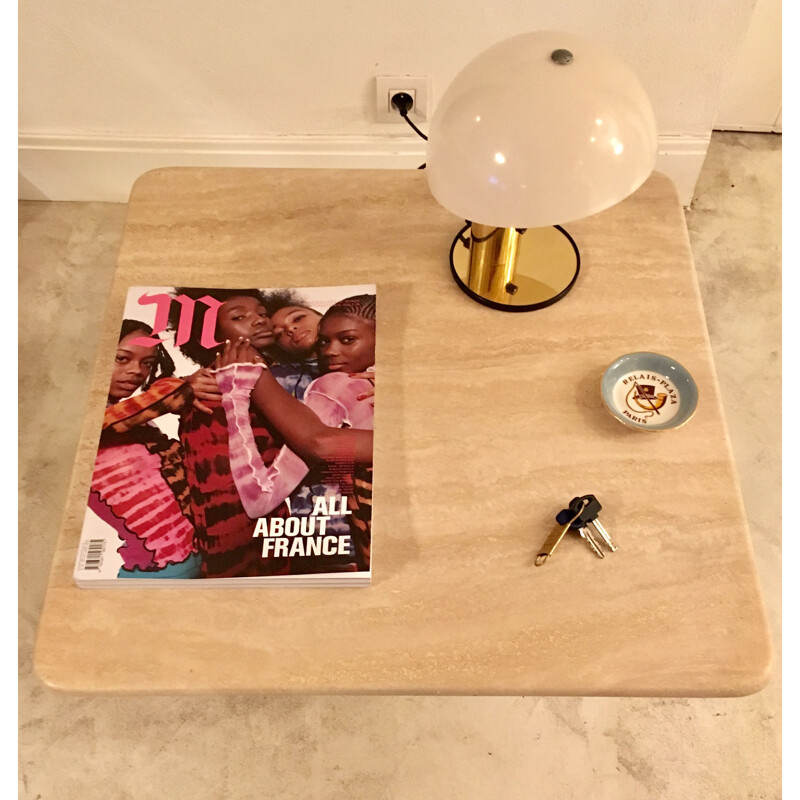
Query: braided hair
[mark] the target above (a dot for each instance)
(164, 366)
(361, 305)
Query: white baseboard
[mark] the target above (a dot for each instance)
(104, 168)
(682, 157)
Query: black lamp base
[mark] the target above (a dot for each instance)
(547, 266)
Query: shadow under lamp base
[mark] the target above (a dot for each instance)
(514, 270)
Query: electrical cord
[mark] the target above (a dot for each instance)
(403, 102)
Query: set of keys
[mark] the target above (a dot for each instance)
(577, 516)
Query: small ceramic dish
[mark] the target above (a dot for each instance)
(649, 392)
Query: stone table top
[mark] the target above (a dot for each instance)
(487, 423)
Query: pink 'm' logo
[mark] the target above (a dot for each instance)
(162, 302)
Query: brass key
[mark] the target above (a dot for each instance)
(555, 537)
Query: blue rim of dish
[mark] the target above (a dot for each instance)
(684, 380)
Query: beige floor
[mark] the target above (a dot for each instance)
(404, 748)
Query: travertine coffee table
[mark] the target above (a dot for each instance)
(486, 424)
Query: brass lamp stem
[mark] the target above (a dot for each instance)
(492, 261)
(514, 269)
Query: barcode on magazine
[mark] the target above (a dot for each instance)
(93, 558)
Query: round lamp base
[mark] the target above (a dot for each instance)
(548, 263)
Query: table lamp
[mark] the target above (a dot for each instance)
(541, 129)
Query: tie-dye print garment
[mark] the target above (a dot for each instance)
(139, 485)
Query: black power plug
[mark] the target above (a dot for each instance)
(403, 102)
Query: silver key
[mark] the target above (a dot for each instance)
(589, 539)
(598, 526)
(589, 516)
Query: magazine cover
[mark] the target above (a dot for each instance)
(236, 446)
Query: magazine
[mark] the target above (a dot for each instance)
(236, 445)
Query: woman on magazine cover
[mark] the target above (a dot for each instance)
(139, 485)
(334, 425)
(293, 357)
(223, 530)
(294, 361)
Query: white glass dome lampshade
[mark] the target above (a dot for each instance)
(541, 129)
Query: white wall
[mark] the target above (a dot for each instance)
(752, 98)
(111, 89)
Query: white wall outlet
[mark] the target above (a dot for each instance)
(387, 86)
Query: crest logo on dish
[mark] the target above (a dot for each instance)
(647, 397)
